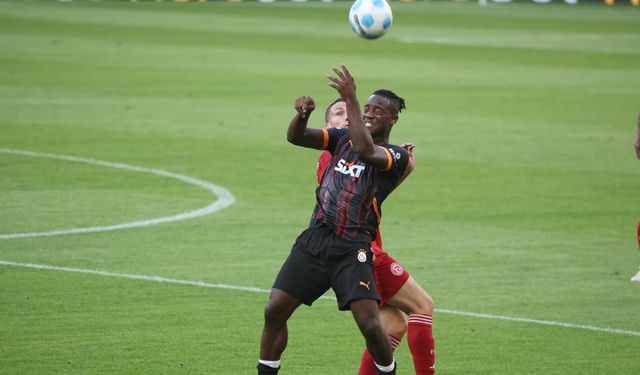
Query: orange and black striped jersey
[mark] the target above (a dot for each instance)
(350, 192)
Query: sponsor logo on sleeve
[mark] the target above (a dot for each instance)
(395, 155)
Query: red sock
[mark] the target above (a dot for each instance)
(367, 367)
(421, 344)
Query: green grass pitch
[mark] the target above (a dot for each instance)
(523, 203)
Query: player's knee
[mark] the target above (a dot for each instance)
(397, 328)
(369, 326)
(393, 321)
(428, 305)
(425, 305)
(274, 314)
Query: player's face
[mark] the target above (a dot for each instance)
(378, 115)
(337, 116)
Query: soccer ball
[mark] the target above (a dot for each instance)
(370, 19)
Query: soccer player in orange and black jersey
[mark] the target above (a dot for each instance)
(350, 194)
(399, 292)
(334, 252)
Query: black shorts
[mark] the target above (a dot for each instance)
(319, 260)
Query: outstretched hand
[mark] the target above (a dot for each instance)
(343, 83)
(412, 161)
(409, 147)
(305, 105)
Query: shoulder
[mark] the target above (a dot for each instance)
(398, 158)
(338, 133)
(397, 152)
(333, 137)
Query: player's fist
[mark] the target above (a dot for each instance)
(305, 105)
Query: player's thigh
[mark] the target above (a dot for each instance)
(280, 306)
(412, 299)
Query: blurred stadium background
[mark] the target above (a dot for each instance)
(519, 218)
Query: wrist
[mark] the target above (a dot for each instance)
(350, 99)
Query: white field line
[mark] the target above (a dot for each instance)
(225, 198)
(587, 327)
(160, 279)
(538, 43)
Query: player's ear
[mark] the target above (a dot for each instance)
(394, 119)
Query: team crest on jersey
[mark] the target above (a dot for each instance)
(362, 255)
(396, 269)
(353, 170)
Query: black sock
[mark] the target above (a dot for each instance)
(392, 372)
(266, 370)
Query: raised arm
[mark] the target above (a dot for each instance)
(298, 133)
(363, 144)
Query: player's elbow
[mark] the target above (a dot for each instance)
(299, 137)
(293, 139)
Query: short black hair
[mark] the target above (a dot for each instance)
(395, 99)
(326, 111)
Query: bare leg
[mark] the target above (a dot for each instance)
(412, 299)
(278, 310)
(394, 323)
(365, 313)
(416, 303)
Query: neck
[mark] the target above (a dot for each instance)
(381, 139)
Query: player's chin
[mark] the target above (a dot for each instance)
(374, 131)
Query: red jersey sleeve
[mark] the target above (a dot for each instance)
(323, 161)
(331, 137)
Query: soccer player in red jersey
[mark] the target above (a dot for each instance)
(399, 292)
(636, 277)
(335, 250)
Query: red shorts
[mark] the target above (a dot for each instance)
(390, 275)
